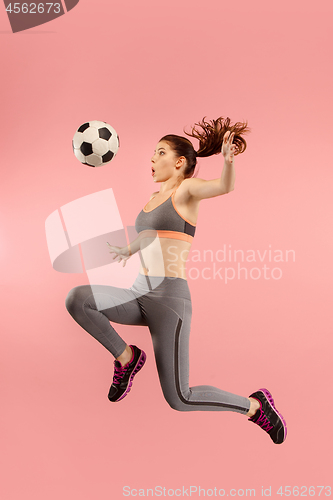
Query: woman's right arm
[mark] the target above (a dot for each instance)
(125, 253)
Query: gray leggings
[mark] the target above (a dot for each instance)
(164, 305)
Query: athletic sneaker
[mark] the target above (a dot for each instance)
(123, 375)
(268, 418)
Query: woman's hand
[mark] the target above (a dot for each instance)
(228, 148)
(123, 254)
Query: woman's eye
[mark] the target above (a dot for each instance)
(161, 152)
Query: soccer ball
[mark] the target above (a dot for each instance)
(95, 143)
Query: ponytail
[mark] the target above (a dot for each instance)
(210, 136)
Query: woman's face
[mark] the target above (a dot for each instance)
(163, 162)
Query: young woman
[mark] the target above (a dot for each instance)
(160, 296)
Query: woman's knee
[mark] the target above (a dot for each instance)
(75, 299)
(175, 402)
(177, 405)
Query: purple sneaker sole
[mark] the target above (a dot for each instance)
(141, 361)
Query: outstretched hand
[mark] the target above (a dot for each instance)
(228, 148)
(122, 253)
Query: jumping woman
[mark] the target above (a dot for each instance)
(160, 297)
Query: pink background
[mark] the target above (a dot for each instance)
(151, 68)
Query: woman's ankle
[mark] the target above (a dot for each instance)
(254, 407)
(126, 356)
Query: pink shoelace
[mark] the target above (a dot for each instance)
(119, 372)
(263, 421)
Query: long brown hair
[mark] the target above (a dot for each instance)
(210, 135)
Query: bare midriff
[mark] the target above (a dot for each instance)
(164, 257)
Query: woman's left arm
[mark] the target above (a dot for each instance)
(201, 189)
(228, 173)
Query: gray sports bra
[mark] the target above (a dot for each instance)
(166, 220)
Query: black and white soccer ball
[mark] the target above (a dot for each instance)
(95, 143)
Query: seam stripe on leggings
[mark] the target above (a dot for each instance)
(181, 397)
